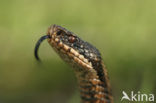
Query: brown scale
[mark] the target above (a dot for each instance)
(93, 91)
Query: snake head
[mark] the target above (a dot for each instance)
(71, 48)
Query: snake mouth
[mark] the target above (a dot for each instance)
(66, 52)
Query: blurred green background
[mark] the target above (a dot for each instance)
(123, 30)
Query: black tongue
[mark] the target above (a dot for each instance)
(38, 44)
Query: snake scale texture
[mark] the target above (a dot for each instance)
(86, 61)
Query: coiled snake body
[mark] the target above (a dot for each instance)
(86, 61)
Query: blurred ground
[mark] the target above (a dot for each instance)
(123, 30)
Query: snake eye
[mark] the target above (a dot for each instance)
(59, 32)
(72, 39)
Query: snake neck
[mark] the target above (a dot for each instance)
(92, 89)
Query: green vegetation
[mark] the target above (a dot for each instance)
(123, 30)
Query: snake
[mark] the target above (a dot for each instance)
(86, 61)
